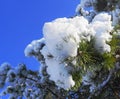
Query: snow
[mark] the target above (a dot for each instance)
(61, 38)
(59, 74)
(86, 3)
(5, 67)
(34, 46)
(78, 8)
(116, 16)
(102, 25)
(102, 17)
(61, 41)
(83, 4)
(56, 70)
(86, 80)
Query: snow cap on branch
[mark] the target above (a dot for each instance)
(34, 47)
(63, 35)
(62, 39)
(5, 67)
(102, 25)
(56, 70)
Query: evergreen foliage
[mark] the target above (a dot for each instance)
(96, 74)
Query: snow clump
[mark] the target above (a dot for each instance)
(102, 26)
(62, 38)
(34, 47)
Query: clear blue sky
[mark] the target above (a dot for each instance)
(21, 21)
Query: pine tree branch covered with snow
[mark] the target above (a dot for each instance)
(79, 57)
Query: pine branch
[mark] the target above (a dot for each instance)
(41, 86)
(100, 87)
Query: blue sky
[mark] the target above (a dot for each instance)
(21, 21)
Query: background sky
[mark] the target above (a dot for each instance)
(21, 21)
